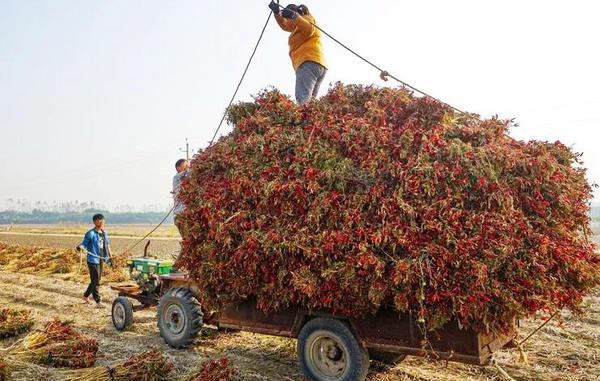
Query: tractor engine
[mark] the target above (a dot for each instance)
(145, 272)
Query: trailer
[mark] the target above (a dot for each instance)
(330, 347)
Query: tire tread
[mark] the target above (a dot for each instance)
(190, 306)
(359, 356)
(126, 303)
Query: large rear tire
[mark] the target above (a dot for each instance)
(328, 351)
(179, 317)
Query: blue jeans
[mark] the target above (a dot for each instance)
(308, 80)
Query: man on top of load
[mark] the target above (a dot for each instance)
(306, 50)
(181, 166)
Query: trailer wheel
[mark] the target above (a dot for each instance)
(179, 317)
(388, 358)
(122, 313)
(328, 351)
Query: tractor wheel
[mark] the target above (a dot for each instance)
(122, 313)
(328, 351)
(179, 317)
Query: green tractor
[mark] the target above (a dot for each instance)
(146, 272)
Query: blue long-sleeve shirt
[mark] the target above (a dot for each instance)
(92, 243)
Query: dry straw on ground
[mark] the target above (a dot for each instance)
(568, 351)
(51, 261)
(14, 322)
(5, 373)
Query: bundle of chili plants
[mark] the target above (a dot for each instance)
(214, 370)
(374, 197)
(58, 344)
(14, 322)
(151, 365)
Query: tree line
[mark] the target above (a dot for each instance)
(37, 216)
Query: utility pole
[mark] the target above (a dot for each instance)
(186, 150)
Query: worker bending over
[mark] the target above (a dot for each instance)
(306, 50)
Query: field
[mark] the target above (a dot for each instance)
(566, 349)
(163, 241)
(166, 230)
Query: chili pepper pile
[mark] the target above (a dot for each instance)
(372, 196)
(58, 344)
(214, 370)
(151, 365)
(14, 322)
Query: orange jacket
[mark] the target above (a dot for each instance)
(304, 41)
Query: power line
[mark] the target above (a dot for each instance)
(216, 131)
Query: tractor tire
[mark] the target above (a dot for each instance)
(122, 313)
(387, 358)
(179, 317)
(328, 351)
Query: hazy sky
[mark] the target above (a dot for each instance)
(96, 97)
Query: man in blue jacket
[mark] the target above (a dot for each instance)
(96, 245)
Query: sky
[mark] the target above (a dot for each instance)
(97, 97)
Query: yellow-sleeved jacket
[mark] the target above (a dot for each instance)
(304, 41)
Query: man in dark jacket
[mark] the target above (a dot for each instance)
(96, 245)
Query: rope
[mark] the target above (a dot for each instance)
(262, 32)
(522, 354)
(383, 74)
(84, 252)
(538, 328)
(241, 79)
(148, 234)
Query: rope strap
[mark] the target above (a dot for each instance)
(383, 74)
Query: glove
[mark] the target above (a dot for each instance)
(274, 7)
(288, 14)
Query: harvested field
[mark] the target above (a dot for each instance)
(161, 247)
(65, 263)
(567, 351)
(49, 297)
(167, 230)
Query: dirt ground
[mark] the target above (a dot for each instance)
(567, 351)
